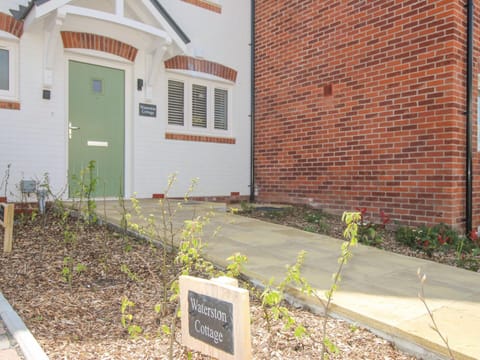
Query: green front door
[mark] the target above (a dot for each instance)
(96, 128)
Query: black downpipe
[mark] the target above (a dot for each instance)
(252, 103)
(469, 180)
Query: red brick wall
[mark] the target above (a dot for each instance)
(361, 104)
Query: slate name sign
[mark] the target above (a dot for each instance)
(211, 320)
(147, 110)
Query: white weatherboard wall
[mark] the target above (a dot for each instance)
(221, 168)
(34, 139)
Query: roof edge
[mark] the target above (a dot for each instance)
(23, 12)
(170, 21)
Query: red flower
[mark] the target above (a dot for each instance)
(441, 240)
(362, 211)
(385, 218)
(474, 236)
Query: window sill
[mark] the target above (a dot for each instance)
(200, 138)
(10, 105)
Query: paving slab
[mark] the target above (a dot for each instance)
(379, 289)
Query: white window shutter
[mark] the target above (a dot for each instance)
(176, 102)
(221, 109)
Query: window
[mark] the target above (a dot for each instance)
(175, 103)
(221, 109)
(97, 86)
(5, 69)
(198, 106)
(8, 74)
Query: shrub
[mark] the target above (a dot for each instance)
(370, 233)
(440, 237)
(317, 222)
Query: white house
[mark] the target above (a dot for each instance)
(146, 88)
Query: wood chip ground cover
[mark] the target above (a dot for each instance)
(82, 320)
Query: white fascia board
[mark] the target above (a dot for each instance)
(7, 36)
(164, 23)
(44, 9)
(100, 15)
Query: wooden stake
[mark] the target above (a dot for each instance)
(7, 223)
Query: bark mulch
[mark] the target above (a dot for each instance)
(81, 318)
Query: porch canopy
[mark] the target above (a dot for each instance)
(142, 24)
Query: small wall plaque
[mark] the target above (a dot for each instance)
(149, 110)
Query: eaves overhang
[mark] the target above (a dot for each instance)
(41, 8)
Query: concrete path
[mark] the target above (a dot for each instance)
(379, 289)
(16, 341)
(9, 349)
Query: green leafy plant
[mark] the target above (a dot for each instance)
(439, 238)
(317, 222)
(352, 220)
(67, 272)
(127, 318)
(468, 252)
(235, 266)
(273, 296)
(69, 269)
(85, 187)
(69, 236)
(246, 207)
(130, 274)
(182, 243)
(370, 233)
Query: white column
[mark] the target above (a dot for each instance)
(119, 7)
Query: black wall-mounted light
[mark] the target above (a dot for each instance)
(139, 84)
(46, 94)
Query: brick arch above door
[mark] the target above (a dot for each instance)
(90, 41)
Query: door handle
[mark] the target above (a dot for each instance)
(70, 128)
